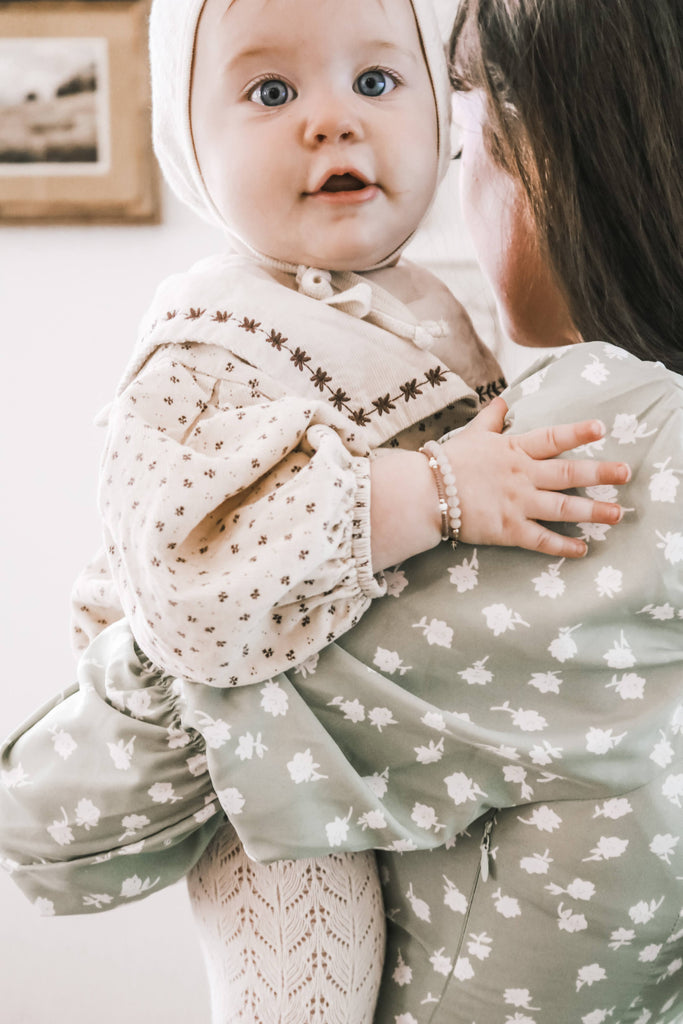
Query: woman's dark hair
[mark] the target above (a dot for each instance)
(585, 105)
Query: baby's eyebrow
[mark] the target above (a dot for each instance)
(269, 52)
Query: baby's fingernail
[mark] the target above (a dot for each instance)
(616, 514)
(626, 470)
(599, 427)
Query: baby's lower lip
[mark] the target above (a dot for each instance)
(351, 198)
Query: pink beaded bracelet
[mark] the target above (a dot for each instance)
(449, 502)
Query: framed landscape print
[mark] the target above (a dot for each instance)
(75, 136)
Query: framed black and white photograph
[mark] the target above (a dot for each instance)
(74, 112)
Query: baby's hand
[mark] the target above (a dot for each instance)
(506, 483)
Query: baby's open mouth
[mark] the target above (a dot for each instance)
(343, 183)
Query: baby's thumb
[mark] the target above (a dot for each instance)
(492, 418)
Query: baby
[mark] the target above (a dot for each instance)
(262, 467)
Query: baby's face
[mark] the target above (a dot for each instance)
(315, 126)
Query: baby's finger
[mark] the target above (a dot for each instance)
(546, 442)
(555, 507)
(491, 418)
(535, 537)
(563, 474)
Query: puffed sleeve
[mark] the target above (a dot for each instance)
(237, 527)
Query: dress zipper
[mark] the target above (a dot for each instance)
(485, 848)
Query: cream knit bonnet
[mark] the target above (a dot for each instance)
(173, 27)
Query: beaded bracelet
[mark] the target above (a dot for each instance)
(449, 502)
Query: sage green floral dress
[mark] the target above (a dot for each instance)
(504, 728)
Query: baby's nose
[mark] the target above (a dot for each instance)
(332, 121)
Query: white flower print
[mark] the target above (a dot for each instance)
(420, 907)
(531, 384)
(593, 531)
(579, 889)
(649, 953)
(139, 703)
(64, 743)
(231, 800)
(274, 700)
(660, 613)
(515, 773)
(453, 898)
(567, 921)
(135, 886)
(215, 731)
(396, 581)
(463, 969)
(399, 846)
(353, 710)
(15, 777)
(544, 818)
(163, 793)
(615, 808)
(550, 583)
(132, 848)
(97, 900)
(306, 668)
(441, 963)
(44, 906)
(621, 937)
(537, 864)
(302, 768)
(430, 754)
(372, 819)
(435, 631)
(9, 865)
(602, 492)
(121, 753)
(177, 738)
(600, 741)
(563, 647)
(662, 753)
(377, 783)
(338, 830)
(672, 546)
(589, 974)
(87, 814)
(597, 1016)
(462, 788)
(608, 848)
(434, 720)
(476, 674)
(527, 720)
(629, 687)
(405, 1018)
(595, 372)
(402, 973)
(508, 906)
(500, 618)
(206, 812)
(249, 746)
(132, 824)
(389, 661)
(620, 655)
(197, 765)
(546, 682)
(519, 997)
(608, 582)
(60, 830)
(380, 718)
(642, 912)
(479, 946)
(546, 754)
(466, 575)
(627, 430)
(664, 483)
(425, 817)
(672, 789)
(519, 1018)
(663, 845)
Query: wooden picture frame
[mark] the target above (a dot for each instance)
(75, 126)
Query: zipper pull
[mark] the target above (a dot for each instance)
(485, 848)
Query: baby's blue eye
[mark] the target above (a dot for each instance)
(272, 92)
(374, 83)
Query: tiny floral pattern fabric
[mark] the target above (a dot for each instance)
(504, 728)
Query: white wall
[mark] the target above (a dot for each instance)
(70, 300)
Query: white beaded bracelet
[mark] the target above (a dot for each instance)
(449, 502)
